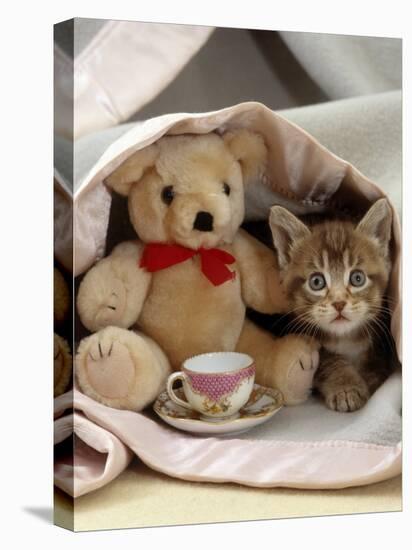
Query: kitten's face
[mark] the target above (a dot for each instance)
(335, 274)
(336, 278)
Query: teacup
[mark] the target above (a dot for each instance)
(215, 384)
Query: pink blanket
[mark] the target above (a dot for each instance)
(105, 439)
(92, 458)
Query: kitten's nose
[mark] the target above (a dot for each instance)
(339, 306)
(203, 221)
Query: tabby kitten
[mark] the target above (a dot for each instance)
(335, 274)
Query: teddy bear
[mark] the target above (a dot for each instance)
(62, 356)
(182, 287)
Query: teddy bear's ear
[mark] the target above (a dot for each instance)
(131, 171)
(249, 149)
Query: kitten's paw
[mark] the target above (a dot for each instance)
(347, 399)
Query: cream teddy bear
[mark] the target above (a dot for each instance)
(182, 289)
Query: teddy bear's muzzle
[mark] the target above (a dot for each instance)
(203, 221)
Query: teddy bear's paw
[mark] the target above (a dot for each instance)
(109, 309)
(303, 363)
(300, 379)
(121, 368)
(107, 364)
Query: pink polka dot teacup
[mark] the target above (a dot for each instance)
(216, 385)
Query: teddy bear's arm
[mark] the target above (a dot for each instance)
(113, 292)
(261, 287)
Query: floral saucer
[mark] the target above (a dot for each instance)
(263, 404)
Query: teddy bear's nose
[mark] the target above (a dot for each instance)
(203, 221)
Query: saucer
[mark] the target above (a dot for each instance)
(263, 404)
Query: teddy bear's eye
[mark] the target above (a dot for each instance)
(168, 194)
(226, 189)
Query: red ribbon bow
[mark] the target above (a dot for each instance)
(157, 256)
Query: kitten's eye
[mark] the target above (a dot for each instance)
(226, 189)
(168, 194)
(357, 278)
(317, 281)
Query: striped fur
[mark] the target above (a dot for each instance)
(348, 315)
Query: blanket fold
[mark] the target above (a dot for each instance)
(87, 456)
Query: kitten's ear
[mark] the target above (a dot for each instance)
(377, 223)
(286, 230)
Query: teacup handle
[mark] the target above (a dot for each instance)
(169, 387)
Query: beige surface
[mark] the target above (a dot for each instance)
(141, 497)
